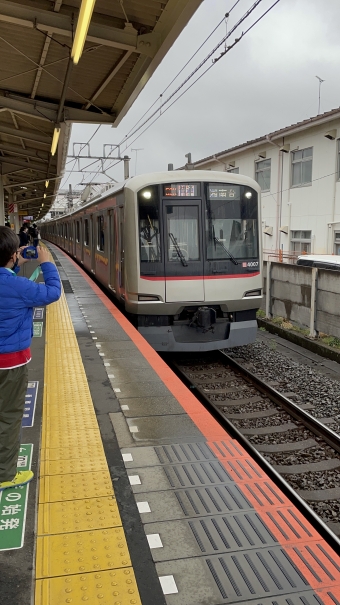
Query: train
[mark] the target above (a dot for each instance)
(181, 250)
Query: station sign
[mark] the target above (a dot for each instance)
(13, 506)
(38, 313)
(37, 329)
(30, 403)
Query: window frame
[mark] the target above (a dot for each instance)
(100, 219)
(257, 163)
(301, 240)
(235, 170)
(302, 160)
(86, 228)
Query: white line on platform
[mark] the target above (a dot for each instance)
(127, 457)
(143, 507)
(168, 584)
(135, 480)
(154, 541)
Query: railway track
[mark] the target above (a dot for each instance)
(300, 452)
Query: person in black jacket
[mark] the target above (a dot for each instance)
(23, 236)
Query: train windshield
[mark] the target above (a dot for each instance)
(182, 229)
(149, 235)
(231, 222)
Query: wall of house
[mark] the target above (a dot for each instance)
(314, 207)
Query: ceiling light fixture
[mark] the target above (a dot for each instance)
(55, 139)
(84, 19)
(47, 184)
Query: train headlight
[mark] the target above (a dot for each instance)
(146, 194)
(253, 293)
(248, 195)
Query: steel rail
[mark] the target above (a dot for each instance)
(300, 504)
(313, 424)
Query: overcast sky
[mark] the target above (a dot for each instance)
(265, 83)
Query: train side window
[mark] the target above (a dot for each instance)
(77, 232)
(149, 235)
(86, 232)
(100, 233)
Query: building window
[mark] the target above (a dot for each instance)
(86, 232)
(302, 167)
(100, 233)
(301, 241)
(234, 170)
(337, 242)
(77, 232)
(262, 174)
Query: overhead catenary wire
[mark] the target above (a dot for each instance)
(173, 80)
(154, 114)
(203, 73)
(211, 53)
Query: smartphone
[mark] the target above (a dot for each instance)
(30, 253)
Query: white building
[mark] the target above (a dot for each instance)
(298, 169)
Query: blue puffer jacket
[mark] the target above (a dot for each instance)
(18, 296)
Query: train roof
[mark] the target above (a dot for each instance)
(169, 176)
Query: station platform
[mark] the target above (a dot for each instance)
(139, 495)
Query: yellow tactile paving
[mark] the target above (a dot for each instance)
(78, 515)
(60, 467)
(106, 588)
(72, 453)
(82, 554)
(83, 438)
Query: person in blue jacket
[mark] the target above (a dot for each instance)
(18, 296)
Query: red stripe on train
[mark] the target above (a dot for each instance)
(196, 277)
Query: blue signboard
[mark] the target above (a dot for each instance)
(38, 313)
(30, 402)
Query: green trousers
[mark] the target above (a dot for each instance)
(13, 387)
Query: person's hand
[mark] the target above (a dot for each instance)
(43, 255)
(21, 260)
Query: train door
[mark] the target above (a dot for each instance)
(182, 220)
(93, 243)
(121, 250)
(112, 250)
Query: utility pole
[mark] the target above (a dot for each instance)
(320, 82)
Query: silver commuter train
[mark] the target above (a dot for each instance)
(180, 249)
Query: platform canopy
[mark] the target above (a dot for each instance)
(41, 88)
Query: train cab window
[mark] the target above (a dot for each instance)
(182, 230)
(77, 232)
(231, 222)
(149, 234)
(86, 232)
(100, 233)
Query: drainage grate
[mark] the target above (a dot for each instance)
(57, 263)
(67, 286)
(197, 474)
(255, 574)
(230, 532)
(212, 500)
(186, 452)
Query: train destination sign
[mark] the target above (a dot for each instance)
(223, 192)
(181, 190)
(13, 506)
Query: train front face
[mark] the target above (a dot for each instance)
(199, 249)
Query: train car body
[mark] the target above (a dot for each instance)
(181, 250)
